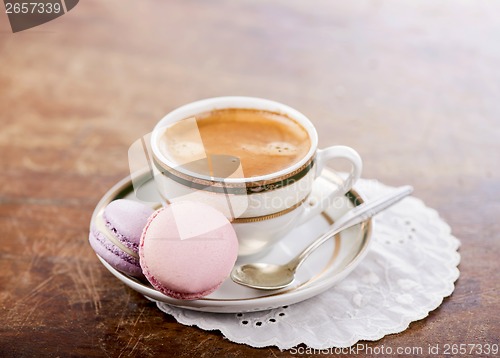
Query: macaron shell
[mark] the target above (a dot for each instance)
(114, 256)
(187, 250)
(127, 218)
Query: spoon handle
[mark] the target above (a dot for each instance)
(355, 216)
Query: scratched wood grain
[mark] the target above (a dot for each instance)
(413, 86)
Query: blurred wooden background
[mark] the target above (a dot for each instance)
(413, 86)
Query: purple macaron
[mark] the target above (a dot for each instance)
(115, 235)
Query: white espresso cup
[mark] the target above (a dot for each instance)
(262, 209)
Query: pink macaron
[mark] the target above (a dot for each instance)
(187, 250)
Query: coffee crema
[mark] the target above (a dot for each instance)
(263, 142)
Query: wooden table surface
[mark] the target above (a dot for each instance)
(413, 86)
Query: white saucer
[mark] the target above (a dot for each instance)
(324, 268)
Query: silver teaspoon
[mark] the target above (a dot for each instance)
(265, 276)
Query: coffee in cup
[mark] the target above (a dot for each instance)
(264, 142)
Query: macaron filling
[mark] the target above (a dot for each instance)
(97, 235)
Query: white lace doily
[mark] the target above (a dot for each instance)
(411, 267)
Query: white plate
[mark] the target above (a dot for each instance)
(324, 268)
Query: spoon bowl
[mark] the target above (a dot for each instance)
(265, 276)
(262, 276)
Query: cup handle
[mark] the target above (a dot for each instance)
(322, 156)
